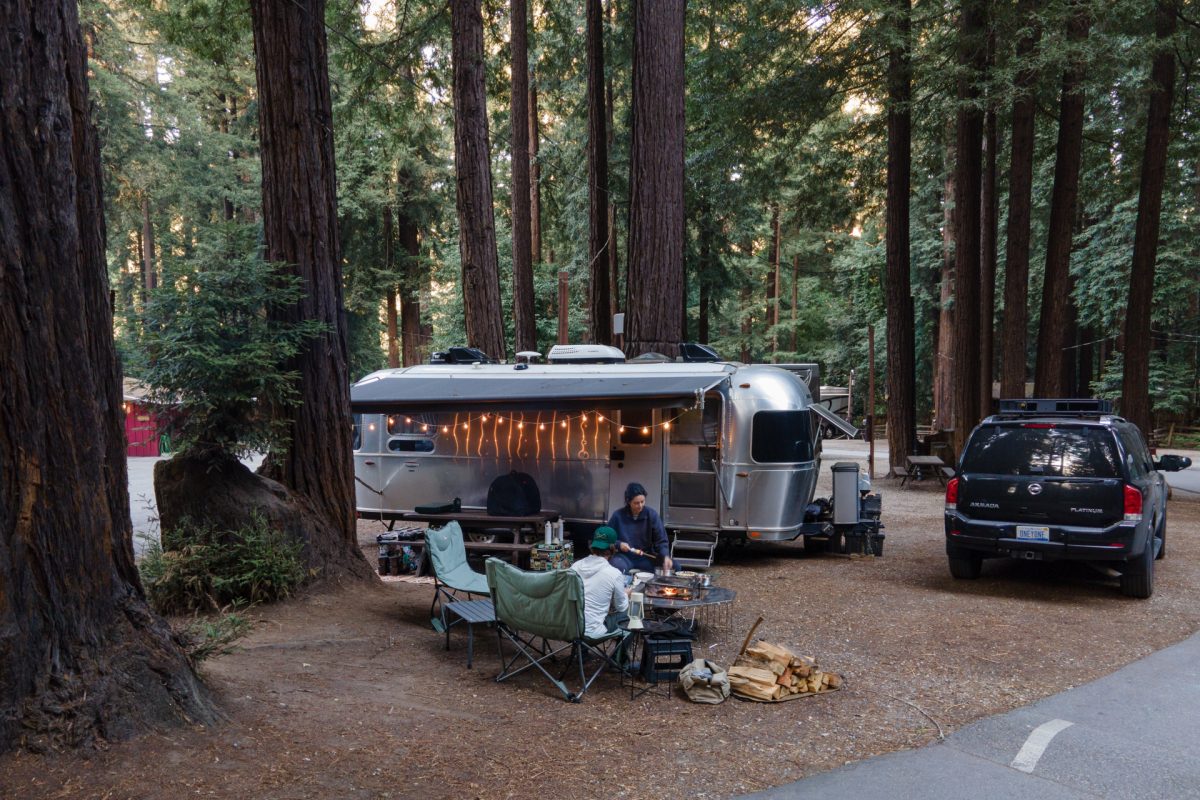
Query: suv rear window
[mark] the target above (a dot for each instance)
(1065, 451)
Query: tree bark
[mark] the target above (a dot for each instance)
(412, 335)
(989, 214)
(82, 657)
(1135, 385)
(1052, 328)
(535, 177)
(524, 324)
(472, 164)
(796, 302)
(599, 289)
(656, 213)
(972, 59)
(301, 230)
(943, 359)
(1020, 190)
(901, 337)
(773, 281)
(389, 266)
(613, 265)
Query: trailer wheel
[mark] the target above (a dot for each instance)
(814, 545)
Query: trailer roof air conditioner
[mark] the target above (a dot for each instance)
(585, 354)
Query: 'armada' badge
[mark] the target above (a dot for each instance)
(1035, 489)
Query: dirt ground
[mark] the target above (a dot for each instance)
(351, 694)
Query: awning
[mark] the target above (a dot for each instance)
(834, 420)
(517, 390)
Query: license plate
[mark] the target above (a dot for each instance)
(1033, 533)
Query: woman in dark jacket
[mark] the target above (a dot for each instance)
(641, 537)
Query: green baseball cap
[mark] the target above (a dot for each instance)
(605, 538)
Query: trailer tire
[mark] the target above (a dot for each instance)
(814, 545)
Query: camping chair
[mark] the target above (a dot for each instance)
(546, 606)
(451, 574)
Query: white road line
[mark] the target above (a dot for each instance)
(1037, 743)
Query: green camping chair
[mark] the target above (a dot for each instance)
(546, 606)
(452, 574)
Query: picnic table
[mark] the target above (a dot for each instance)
(489, 530)
(920, 466)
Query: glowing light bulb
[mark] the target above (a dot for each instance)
(424, 427)
(585, 417)
(563, 424)
(465, 426)
(666, 426)
(622, 429)
(485, 417)
(408, 420)
(542, 427)
(520, 426)
(445, 429)
(600, 417)
(371, 427)
(499, 420)
(645, 431)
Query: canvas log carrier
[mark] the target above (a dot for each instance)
(514, 495)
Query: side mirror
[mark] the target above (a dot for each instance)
(1172, 463)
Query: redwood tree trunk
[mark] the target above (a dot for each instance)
(943, 359)
(524, 327)
(1020, 189)
(412, 335)
(472, 164)
(535, 178)
(149, 273)
(599, 289)
(389, 266)
(300, 228)
(1135, 386)
(1052, 328)
(901, 338)
(654, 280)
(82, 657)
(968, 178)
(989, 219)
(773, 282)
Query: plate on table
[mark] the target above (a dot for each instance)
(643, 577)
(683, 573)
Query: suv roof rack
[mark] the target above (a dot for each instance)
(1055, 407)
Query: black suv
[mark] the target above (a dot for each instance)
(1055, 480)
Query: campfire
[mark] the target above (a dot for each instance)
(670, 592)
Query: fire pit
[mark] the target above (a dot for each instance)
(670, 592)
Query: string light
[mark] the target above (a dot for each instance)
(445, 429)
(563, 422)
(520, 426)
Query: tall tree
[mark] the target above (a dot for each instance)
(301, 230)
(989, 218)
(524, 327)
(773, 280)
(654, 275)
(901, 362)
(1054, 323)
(535, 174)
(972, 57)
(82, 656)
(472, 163)
(1135, 386)
(943, 355)
(599, 289)
(1020, 192)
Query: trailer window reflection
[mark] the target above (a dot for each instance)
(781, 437)
(410, 423)
(358, 431)
(698, 426)
(410, 445)
(637, 426)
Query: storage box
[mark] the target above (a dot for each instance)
(544, 558)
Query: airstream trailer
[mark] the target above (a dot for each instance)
(725, 448)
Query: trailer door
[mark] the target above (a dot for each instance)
(692, 496)
(636, 457)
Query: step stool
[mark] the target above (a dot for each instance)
(693, 550)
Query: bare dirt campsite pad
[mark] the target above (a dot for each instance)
(351, 694)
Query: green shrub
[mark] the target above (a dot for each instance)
(201, 568)
(204, 638)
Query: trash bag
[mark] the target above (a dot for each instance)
(704, 682)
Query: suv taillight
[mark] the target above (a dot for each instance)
(952, 494)
(1133, 504)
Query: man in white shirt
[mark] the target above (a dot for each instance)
(605, 599)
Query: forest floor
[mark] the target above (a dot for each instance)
(350, 694)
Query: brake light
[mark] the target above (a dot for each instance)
(952, 494)
(1133, 504)
(1039, 425)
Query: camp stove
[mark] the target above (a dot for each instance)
(674, 588)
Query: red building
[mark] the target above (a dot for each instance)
(142, 421)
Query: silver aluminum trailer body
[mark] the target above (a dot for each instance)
(720, 447)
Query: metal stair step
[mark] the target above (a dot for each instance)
(690, 563)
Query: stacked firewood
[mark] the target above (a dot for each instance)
(768, 672)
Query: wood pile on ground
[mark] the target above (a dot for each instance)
(770, 673)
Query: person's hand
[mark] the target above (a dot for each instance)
(623, 547)
(667, 562)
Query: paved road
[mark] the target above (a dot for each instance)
(1131, 735)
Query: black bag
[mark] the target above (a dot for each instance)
(453, 507)
(514, 495)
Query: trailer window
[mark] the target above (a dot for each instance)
(781, 437)
(410, 423)
(637, 426)
(358, 431)
(698, 426)
(410, 445)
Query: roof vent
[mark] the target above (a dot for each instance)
(585, 354)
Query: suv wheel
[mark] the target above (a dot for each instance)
(1162, 536)
(965, 565)
(1138, 578)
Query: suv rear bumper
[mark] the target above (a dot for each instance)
(989, 538)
